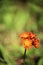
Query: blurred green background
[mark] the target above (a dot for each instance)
(17, 16)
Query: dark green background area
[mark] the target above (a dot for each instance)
(17, 16)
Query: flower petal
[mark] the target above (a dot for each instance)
(24, 35)
(27, 43)
(31, 35)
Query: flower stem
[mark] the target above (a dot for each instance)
(24, 56)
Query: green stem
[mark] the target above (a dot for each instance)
(24, 56)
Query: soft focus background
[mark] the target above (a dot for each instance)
(17, 16)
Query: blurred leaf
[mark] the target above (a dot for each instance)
(40, 62)
(7, 55)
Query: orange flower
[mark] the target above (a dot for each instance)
(27, 43)
(29, 39)
(36, 43)
(31, 34)
(24, 35)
